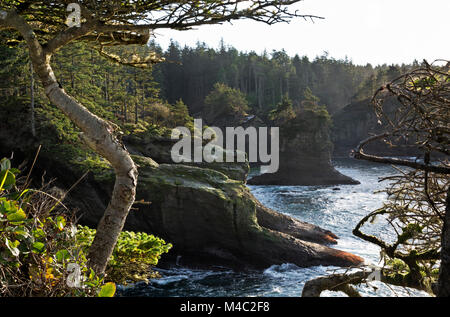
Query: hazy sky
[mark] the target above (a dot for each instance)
(367, 31)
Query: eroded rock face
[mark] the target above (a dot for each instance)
(356, 122)
(305, 155)
(158, 148)
(211, 218)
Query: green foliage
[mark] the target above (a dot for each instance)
(108, 290)
(144, 130)
(224, 101)
(134, 254)
(39, 243)
(283, 112)
(163, 114)
(397, 265)
(191, 72)
(310, 101)
(409, 232)
(180, 114)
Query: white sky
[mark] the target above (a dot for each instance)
(367, 31)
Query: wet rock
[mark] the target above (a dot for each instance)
(210, 217)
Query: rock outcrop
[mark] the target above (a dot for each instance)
(305, 154)
(356, 122)
(209, 217)
(212, 218)
(158, 148)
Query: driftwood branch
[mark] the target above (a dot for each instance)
(336, 282)
(359, 154)
(344, 282)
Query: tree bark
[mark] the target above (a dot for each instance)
(98, 133)
(444, 271)
(343, 281)
(335, 282)
(33, 128)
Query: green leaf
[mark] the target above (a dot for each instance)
(21, 232)
(60, 222)
(38, 247)
(5, 164)
(38, 233)
(108, 290)
(6, 206)
(7, 179)
(17, 216)
(15, 171)
(62, 255)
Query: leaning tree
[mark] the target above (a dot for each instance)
(42, 25)
(418, 205)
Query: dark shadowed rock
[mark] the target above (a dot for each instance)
(211, 218)
(159, 148)
(356, 122)
(305, 154)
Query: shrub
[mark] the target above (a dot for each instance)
(159, 113)
(133, 256)
(283, 112)
(180, 115)
(37, 244)
(224, 101)
(43, 253)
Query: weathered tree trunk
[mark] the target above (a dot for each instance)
(33, 128)
(335, 282)
(444, 271)
(261, 92)
(125, 111)
(98, 133)
(136, 113)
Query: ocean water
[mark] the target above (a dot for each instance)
(336, 208)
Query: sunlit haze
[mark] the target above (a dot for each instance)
(369, 31)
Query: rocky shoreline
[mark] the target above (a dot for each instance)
(208, 216)
(206, 211)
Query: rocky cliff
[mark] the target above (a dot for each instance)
(356, 122)
(305, 154)
(209, 217)
(158, 148)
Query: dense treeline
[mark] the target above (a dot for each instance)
(159, 95)
(190, 73)
(122, 94)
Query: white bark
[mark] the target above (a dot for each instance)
(98, 133)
